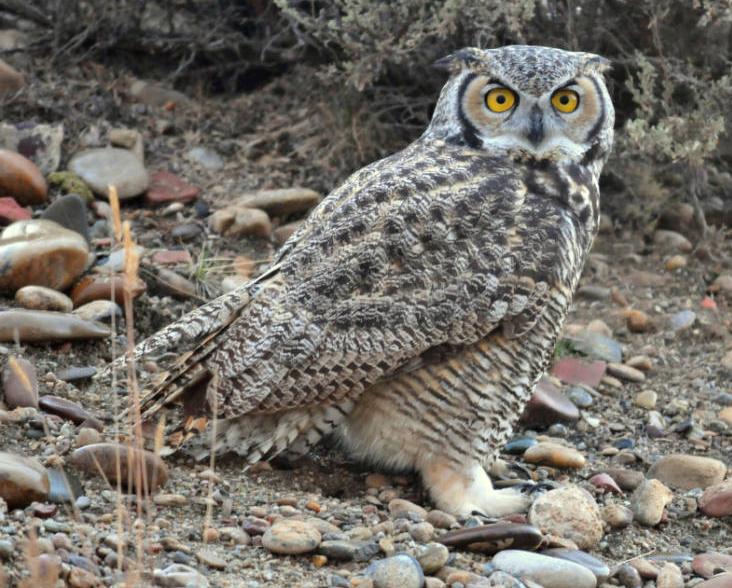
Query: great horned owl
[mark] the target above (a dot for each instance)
(415, 309)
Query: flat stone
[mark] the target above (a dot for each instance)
(637, 321)
(519, 445)
(493, 538)
(155, 94)
(711, 563)
(556, 455)
(69, 410)
(100, 168)
(399, 571)
(596, 566)
(172, 257)
(42, 298)
(91, 288)
(21, 179)
(291, 537)
(206, 158)
(75, 374)
(670, 576)
(101, 459)
(625, 372)
(592, 292)
(186, 232)
(20, 383)
(648, 502)
(173, 284)
(646, 569)
(250, 222)
(11, 211)
(645, 279)
(568, 512)
(280, 202)
(548, 572)
(338, 549)
(22, 480)
(720, 581)
(40, 326)
(211, 559)
(399, 506)
(166, 187)
(580, 397)
(717, 500)
(180, 576)
(65, 487)
(599, 346)
(646, 399)
(616, 515)
(548, 405)
(682, 320)
(432, 557)
(69, 211)
(688, 471)
(440, 519)
(98, 310)
(671, 241)
(41, 253)
(572, 370)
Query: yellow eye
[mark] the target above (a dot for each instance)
(500, 99)
(565, 100)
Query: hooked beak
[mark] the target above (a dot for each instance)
(536, 126)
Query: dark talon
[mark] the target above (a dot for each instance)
(485, 519)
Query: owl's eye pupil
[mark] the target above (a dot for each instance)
(500, 99)
(564, 100)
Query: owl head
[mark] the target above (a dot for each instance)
(539, 102)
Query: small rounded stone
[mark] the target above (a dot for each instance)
(291, 537)
(42, 298)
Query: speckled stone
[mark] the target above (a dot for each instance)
(549, 572)
(569, 512)
(291, 537)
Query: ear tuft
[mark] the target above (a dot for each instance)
(595, 63)
(465, 58)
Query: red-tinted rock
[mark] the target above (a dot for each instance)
(494, 538)
(11, 211)
(573, 370)
(606, 483)
(711, 563)
(166, 187)
(547, 406)
(69, 410)
(21, 179)
(92, 288)
(101, 459)
(171, 257)
(717, 500)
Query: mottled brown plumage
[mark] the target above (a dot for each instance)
(415, 309)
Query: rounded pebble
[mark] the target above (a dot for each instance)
(553, 454)
(100, 168)
(42, 298)
(399, 571)
(569, 512)
(648, 502)
(291, 537)
(549, 572)
(688, 471)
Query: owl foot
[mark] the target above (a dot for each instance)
(470, 491)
